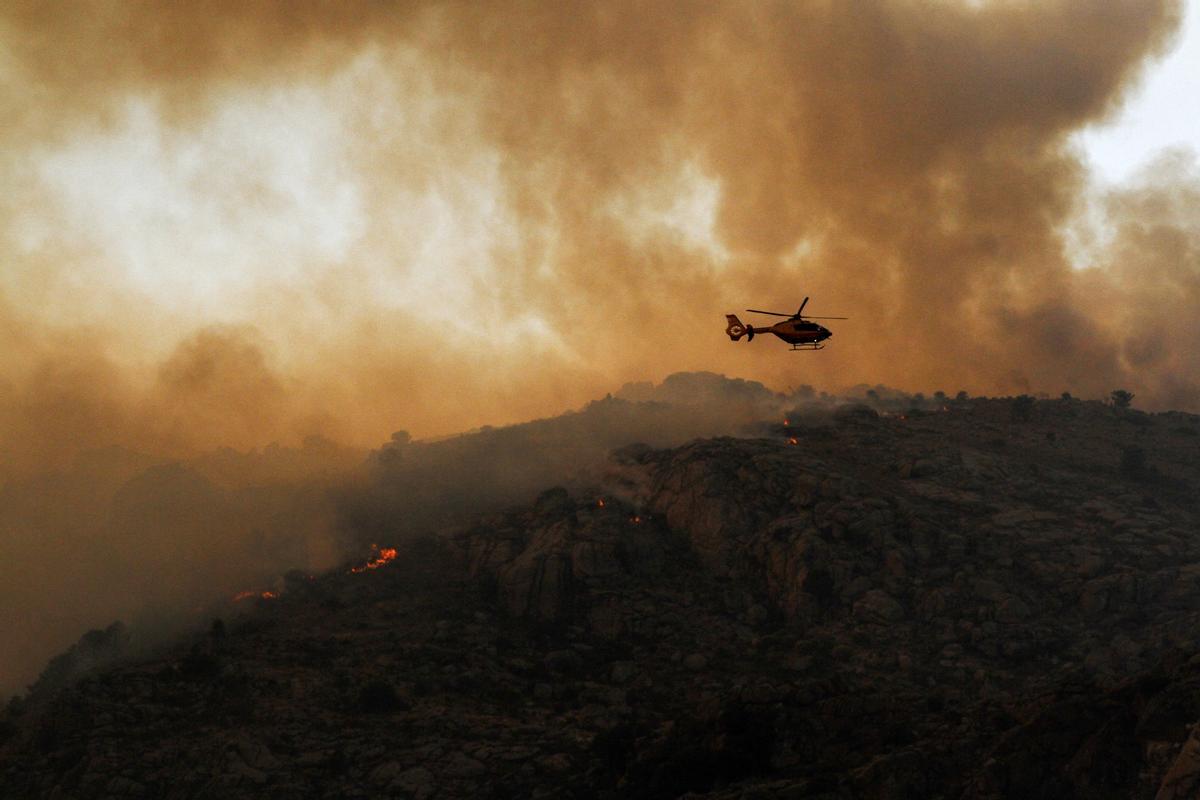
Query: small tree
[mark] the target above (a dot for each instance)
(1121, 398)
(961, 396)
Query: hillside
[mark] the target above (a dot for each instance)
(976, 599)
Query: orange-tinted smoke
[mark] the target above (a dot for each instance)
(907, 164)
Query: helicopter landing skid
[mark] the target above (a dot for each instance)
(808, 346)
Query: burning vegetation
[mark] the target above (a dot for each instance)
(382, 555)
(246, 595)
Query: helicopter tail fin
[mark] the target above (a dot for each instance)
(736, 330)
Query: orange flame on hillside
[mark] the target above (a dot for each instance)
(386, 554)
(246, 595)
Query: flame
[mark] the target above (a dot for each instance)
(793, 440)
(636, 520)
(246, 595)
(385, 555)
(600, 503)
(785, 423)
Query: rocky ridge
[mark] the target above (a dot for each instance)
(985, 600)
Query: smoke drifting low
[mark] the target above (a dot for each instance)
(231, 224)
(411, 488)
(121, 534)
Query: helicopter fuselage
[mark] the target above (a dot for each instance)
(798, 331)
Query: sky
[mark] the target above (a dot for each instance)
(236, 224)
(1164, 111)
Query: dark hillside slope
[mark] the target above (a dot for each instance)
(997, 600)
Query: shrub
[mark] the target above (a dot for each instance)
(1121, 399)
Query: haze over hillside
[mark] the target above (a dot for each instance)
(175, 535)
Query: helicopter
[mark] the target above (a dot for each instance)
(796, 330)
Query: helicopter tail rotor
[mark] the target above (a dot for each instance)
(736, 330)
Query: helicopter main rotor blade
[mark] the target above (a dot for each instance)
(800, 311)
(827, 318)
(772, 313)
